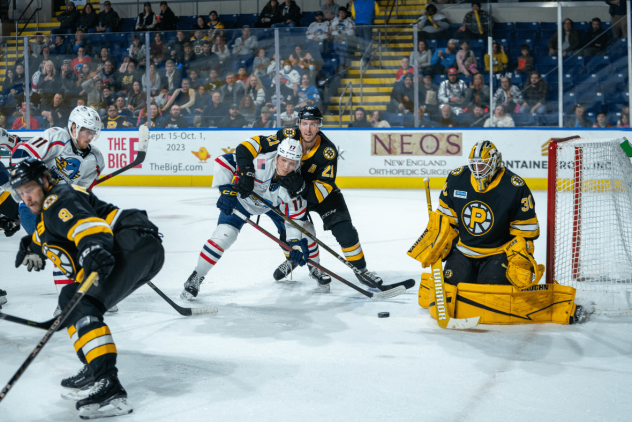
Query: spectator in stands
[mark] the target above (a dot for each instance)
(104, 56)
(168, 19)
(570, 42)
(108, 19)
(403, 95)
(619, 13)
(68, 20)
(524, 63)
(88, 18)
(363, 13)
(80, 41)
(624, 121)
(154, 114)
(217, 109)
(535, 94)
(128, 78)
(146, 20)
(78, 61)
(500, 62)
(12, 87)
(174, 120)
(136, 99)
(477, 94)
(300, 57)
(93, 88)
(602, 121)
(453, 92)
(579, 120)
(138, 50)
(59, 46)
(255, 90)
(433, 24)
(122, 109)
(359, 118)
(377, 120)
(201, 100)
(172, 78)
(624, 110)
(290, 15)
(596, 40)
(289, 116)
(424, 55)
(290, 77)
(207, 60)
(68, 81)
(466, 60)
(214, 24)
(188, 59)
(476, 118)
(232, 92)
(48, 83)
(109, 76)
(270, 14)
(318, 32)
(20, 123)
(261, 63)
(317, 77)
(213, 82)
(265, 121)
(176, 47)
(508, 95)
(221, 50)
(329, 10)
(501, 118)
(287, 95)
(183, 97)
(248, 109)
(399, 76)
(108, 96)
(158, 49)
(448, 118)
(115, 120)
(45, 56)
(444, 58)
(56, 114)
(200, 24)
(475, 23)
(343, 32)
(428, 95)
(242, 75)
(246, 44)
(234, 119)
(307, 94)
(197, 41)
(194, 80)
(39, 44)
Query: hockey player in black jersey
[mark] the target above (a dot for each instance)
(82, 234)
(315, 183)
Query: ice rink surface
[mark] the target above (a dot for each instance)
(279, 351)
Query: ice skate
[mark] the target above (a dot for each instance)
(3, 298)
(324, 281)
(284, 270)
(78, 386)
(107, 398)
(191, 287)
(377, 280)
(580, 315)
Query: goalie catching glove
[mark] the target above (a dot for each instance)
(436, 241)
(522, 270)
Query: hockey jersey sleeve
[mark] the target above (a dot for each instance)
(249, 149)
(445, 206)
(224, 170)
(324, 167)
(296, 209)
(45, 147)
(524, 221)
(89, 180)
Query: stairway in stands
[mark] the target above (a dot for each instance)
(378, 82)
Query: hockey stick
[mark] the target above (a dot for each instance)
(407, 283)
(143, 143)
(206, 310)
(85, 286)
(41, 325)
(375, 296)
(444, 319)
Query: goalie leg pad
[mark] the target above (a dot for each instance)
(436, 241)
(425, 287)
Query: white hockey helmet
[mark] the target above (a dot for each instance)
(83, 116)
(291, 149)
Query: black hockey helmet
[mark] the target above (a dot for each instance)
(28, 170)
(309, 113)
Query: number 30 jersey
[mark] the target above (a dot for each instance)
(488, 220)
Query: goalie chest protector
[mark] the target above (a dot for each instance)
(488, 219)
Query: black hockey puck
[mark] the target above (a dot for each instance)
(383, 315)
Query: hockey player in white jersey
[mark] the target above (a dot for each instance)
(269, 168)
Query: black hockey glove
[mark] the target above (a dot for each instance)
(300, 251)
(227, 200)
(246, 183)
(95, 258)
(294, 183)
(10, 227)
(26, 257)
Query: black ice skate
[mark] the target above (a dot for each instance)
(191, 287)
(323, 279)
(107, 398)
(78, 386)
(580, 315)
(284, 270)
(3, 298)
(377, 280)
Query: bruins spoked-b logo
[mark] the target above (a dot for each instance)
(288, 132)
(329, 153)
(448, 274)
(457, 171)
(478, 218)
(517, 181)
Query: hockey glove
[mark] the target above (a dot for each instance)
(436, 242)
(246, 183)
(300, 251)
(32, 260)
(227, 200)
(95, 258)
(10, 227)
(294, 183)
(522, 270)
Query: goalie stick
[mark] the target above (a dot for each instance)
(93, 279)
(391, 292)
(444, 319)
(143, 143)
(406, 283)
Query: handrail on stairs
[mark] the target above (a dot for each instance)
(363, 69)
(388, 18)
(349, 101)
(17, 34)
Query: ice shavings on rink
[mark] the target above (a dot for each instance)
(279, 351)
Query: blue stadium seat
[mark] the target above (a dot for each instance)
(517, 80)
(503, 41)
(526, 119)
(546, 34)
(502, 35)
(618, 47)
(548, 26)
(570, 100)
(613, 118)
(522, 34)
(432, 44)
(581, 26)
(544, 68)
(587, 94)
(41, 121)
(533, 26)
(518, 42)
(504, 26)
(479, 44)
(438, 79)
(396, 119)
(597, 63)
(596, 108)
(549, 119)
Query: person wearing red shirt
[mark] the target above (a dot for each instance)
(81, 58)
(20, 123)
(399, 77)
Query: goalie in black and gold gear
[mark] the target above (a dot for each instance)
(484, 228)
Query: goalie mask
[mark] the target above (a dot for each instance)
(484, 162)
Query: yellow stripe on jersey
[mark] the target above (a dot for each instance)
(312, 151)
(86, 227)
(253, 144)
(322, 190)
(100, 351)
(357, 245)
(529, 228)
(4, 195)
(353, 253)
(112, 217)
(472, 252)
(444, 209)
(91, 335)
(71, 331)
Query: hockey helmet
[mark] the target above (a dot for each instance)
(28, 170)
(291, 149)
(83, 116)
(484, 162)
(309, 113)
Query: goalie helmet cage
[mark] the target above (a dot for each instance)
(589, 221)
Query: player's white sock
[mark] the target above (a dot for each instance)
(210, 254)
